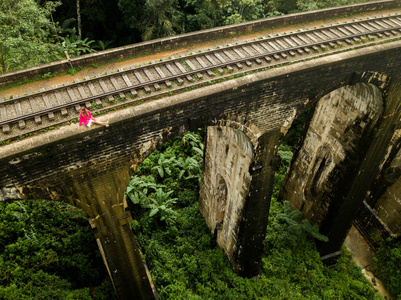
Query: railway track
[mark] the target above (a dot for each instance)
(25, 114)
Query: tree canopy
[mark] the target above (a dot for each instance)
(26, 34)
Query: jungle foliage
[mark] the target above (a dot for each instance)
(387, 266)
(48, 251)
(185, 262)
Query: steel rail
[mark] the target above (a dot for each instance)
(161, 63)
(196, 71)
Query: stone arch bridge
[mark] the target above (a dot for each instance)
(348, 156)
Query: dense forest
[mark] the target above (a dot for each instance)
(49, 252)
(34, 32)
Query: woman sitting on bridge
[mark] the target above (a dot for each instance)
(85, 116)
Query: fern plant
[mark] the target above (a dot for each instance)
(161, 204)
(292, 229)
(139, 187)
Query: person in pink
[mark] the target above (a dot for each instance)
(85, 117)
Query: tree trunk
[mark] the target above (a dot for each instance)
(79, 20)
(3, 61)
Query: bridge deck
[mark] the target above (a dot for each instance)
(112, 67)
(44, 122)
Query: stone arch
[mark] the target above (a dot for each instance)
(326, 166)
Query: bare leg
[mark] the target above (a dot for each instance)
(101, 123)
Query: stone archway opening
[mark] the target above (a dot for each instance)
(320, 182)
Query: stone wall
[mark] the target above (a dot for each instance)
(183, 40)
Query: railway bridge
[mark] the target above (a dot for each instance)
(247, 96)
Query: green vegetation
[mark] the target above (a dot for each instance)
(387, 266)
(48, 251)
(182, 255)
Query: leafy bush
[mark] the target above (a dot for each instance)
(48, 251)
(387, 266)
(162, 177)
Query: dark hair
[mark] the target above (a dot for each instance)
(83, 111)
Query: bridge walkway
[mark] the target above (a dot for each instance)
(63, 80)
(92, 71)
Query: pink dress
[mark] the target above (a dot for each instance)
(86, 119)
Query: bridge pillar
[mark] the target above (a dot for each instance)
(235, 192)
(101, 195)
(332, 172)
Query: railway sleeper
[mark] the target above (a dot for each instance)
(6, 128)
(292, 53)
(50, 115)
(258, 61)
(248, 63)
(21, 124)
(38, 120)
(210, 73)
(268, 59)
(134, 93)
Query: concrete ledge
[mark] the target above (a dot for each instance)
(183, 40)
